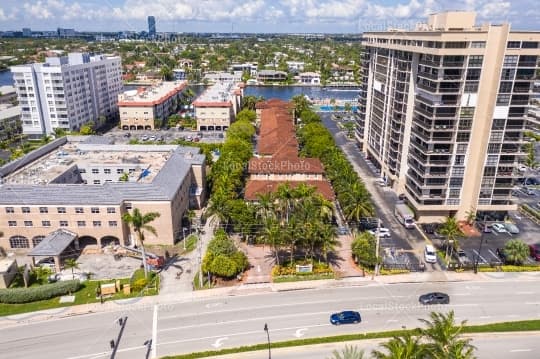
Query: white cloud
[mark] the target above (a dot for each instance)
(3, 16)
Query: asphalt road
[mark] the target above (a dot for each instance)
(384, 198)
(494, 346)
(239, 320)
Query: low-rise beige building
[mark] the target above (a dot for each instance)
(139, 109)
(86, 185)
(217, 107)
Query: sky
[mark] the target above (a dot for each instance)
(289, 16)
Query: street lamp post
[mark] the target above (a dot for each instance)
(184, 235)
(268, 337)
(480, 246)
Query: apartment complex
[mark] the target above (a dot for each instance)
(277, 161)
(139, 109)
(217, 106)
(10, 121)
(443, 110)
(84, 185)
(67, 92)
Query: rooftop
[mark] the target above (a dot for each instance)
(218, 95)
(7, 111)
(254, 188)
(152, 95)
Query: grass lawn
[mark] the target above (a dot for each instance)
(85, 295)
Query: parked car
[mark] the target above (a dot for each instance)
(434, 298)
(429, 254)
(535, 251)
(383, 232)
(511, 228)
(127, 135)
(144, 138)
(345, 317)
(528, 191)
(531, 181)
(196, 139)
(152, 138)
(523, 168)
(462, 257)
(368, 223)
(47, 263)
(484, 227)
(499, 227)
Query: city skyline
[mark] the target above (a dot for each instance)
(296, 16)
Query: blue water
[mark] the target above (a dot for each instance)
(313, 92)
(6, 78)
(337, 108)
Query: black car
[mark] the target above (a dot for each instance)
(345, 317)
(367, 224)
(434, 298)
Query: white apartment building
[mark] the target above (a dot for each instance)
(67, 92)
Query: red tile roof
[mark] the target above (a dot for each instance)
(212, 104)
(253, 188)
(274, 102)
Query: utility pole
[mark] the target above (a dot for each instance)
(114, 344)
(199, 247)
(377, 246)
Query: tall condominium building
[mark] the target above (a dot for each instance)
(151, 26)
(67, 92)
(443, 110)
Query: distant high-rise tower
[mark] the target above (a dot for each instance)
(151, 26)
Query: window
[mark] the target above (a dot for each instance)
(119, 171)
(478, 44)
(473, 74)
(95, 210)
(476, 60)
(461, 148)
(81, 223)
(82, 170)
(107, 171)
(61, 209)
(510, 60)
(492, 160)
(529, 45)
(459, 160)
(28, 223)
(508, 74)
(63, 223)
(505, 87)
(97, 182)
(111, 210)
(46, 223)
(19, 242)
(113, 224)
(25, 209)
(43, 210)
(96, 223)
(513, 45)
(10, 210)
(454, 193)
(37, 240)
(456, 182)
(12, 223)
(494, 148)
(503, 100)
(128, 206)
(95, 170)
(79, 210)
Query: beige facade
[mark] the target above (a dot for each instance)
(443, 111)
(163, 179)
(139, 109)
(216, 108)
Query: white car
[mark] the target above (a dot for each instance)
(383, 232)
(499, 228)
(523, 168)
(429, 254)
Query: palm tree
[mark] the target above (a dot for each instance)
(516, 251)
(356, 203)
(71, 264)
(406, 346)
(443, 337)
(139, 222)
(349, 352)
(273, 233)
(327, 240)
(450, 229)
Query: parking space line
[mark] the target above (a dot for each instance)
(479, 256)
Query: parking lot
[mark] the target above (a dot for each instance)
(121, 136)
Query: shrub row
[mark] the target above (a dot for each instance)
(510, 268)
(42, 292)
(531, 211)
(287, 270)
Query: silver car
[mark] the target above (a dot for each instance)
(511, 228)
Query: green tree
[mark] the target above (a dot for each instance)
(246, 115)
(364, 248)
(71, 264)
(516, 251)
(166, 73)
(124, 177)
(87, 129)
(347, 107)
(444, 337)
(301, 104)
(349, 352)
(405, 346)
(451, 231)
(356, 203)
(140, 223)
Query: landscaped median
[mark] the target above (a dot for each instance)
(520, 326)
(47, 296)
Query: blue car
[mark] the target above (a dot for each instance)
(345, 317)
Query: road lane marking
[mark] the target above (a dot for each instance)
(154, 332)
(532, 303)
(524, 292)
(519, 350)
(485, 317)
(391, 320)
(219, 341)
(300, 332)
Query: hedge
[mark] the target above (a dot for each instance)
(42, 292)
(510, 268)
